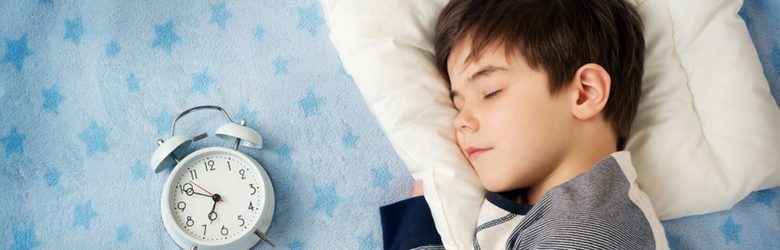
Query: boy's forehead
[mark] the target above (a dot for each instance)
(464, 57)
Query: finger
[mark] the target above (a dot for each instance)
(417, 188)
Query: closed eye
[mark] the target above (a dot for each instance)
(492, 94)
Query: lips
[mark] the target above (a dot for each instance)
(473, 152)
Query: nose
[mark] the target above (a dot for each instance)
(465, 121)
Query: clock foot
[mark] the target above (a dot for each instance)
(265, 238)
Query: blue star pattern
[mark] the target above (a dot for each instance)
(163, 123)
(138, 170)
(258, 33)
(280, 66)
(112, 49)
(766, 197)
(52, 99)
(673, 240)
(327, 199)
(382, 177)
(219, 14)
(368, 242)
(83, 214)
(296, 245)
(284, 153)
(310, 19)
(13, 142)
(52, 177)
(24, 238)
(268, 62)
(165, 36)
(730, 230)
(349, 140)
(310, 104)
(133, 83)
(123, 234)
(94, 138)
(201, 82)
(16, 51)
(73, 30)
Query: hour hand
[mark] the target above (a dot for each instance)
(213, 215)
(201, 194)
(190, 191)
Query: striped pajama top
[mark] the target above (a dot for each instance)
(599, 209)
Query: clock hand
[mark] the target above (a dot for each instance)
(201, 194)
(213, 215)
(201, 188)
(190, 191)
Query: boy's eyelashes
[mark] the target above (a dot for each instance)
(493, 94)
(458, 103)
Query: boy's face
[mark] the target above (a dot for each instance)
(509, 126)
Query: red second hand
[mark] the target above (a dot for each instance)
(201, 188)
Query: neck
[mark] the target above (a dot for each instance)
(591, 145)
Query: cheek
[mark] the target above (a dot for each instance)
(524, 133)
(514, 122)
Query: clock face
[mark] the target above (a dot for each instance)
(216, 196)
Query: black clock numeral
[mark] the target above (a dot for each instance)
(190, 222)
(181, 205)
(254, 189)
(224, 231)
(186, 189)
(250, 206)
(194, 174)
(209, 165)
(229, 169)
(204, 229)
(242, 221)
(242, 172)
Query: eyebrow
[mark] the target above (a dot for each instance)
(483, 72)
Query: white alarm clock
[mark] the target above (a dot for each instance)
(215, 197)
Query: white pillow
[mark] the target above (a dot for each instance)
(704, 137)
(707, 130)
(386, 46)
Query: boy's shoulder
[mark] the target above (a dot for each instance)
(602, 207)
(607, 186)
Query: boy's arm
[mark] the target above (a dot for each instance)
(408, 224)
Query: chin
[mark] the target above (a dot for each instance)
(496, 184)
(495, 189)
(495, 179)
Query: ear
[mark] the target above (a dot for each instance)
(591, 86)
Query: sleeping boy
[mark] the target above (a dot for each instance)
(546, 91)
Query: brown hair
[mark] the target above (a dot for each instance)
(558, 37)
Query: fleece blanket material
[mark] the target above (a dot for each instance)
(87, 87)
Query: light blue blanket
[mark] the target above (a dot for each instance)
(87, 87)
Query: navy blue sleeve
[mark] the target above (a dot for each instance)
(408, 224)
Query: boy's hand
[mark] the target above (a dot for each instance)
(417, 189)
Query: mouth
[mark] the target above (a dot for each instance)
(472, 152)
